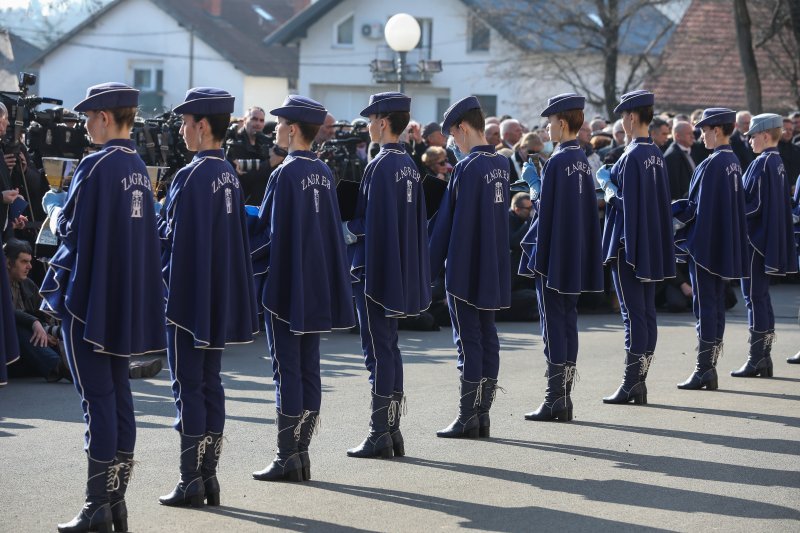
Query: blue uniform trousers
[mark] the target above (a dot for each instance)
(558, 318)
(379, 344)
(295, 368)
(196, 384)
(475, 336)
(102, 382)
(755, 290)
(708, 303)
(637, 303)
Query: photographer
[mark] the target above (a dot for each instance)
(38, 335)
(251, 153)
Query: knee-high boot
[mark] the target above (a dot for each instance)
(379, 441)
(466, 425)
(308, 426)
(190, 489)
(286, 465)
(633, 387)
(758, 363)
(208, 469)
(555, 405)
(96, 512)
(705, 372)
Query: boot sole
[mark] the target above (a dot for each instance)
(385, 453)
(640, 399)
(473, 433)
(212, 499)
(194, 501)
(561, 416)
(292, 475)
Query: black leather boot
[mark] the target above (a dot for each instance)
(487, 394)
(397, 409)
(378, 442)
(190, 489)
(96, 512)
(466, 425)
(571, 371)
(286, 466)
(212, 452)
(633, 387)
(758, 363)
(123, 469)
(555, 405)
(705, 372)
(794, 360)
(308, 425)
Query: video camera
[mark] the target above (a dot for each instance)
(159, 143)
(47, 134)
(235, 148)
(339, 153)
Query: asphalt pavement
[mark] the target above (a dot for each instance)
(690, 460)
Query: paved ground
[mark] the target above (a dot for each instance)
(725, 460)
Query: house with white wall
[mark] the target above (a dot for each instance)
(164, 47)
(343, 55)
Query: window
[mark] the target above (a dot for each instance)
(479, 35)
(425, 38)
(488, 104)
(148, 77)
(343, 31)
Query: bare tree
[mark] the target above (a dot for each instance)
(574, 41)
(744, 39)
(781, 40)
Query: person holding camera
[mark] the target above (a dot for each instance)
(301, 281)
(561, 250)
(252, 154)
(38, 338)
(637, 240)
(208, 279)
(390, 266)
(470, 232)
(100, 284)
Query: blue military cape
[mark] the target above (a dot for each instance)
(392, 228)
(639, 218)
(470, 231)
(769, 212)
(796, 211)
(563, 242)
(106, 271)
(299, 254)
(206, 254)
(715, 235)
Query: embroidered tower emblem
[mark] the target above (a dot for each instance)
(316, 200)
(409, 190)
(136, 204)
(498, 193)
(228, 201)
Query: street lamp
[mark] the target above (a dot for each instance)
(402, 35)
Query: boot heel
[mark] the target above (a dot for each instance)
(713, 384)
(473, 433)
(399, 449)
(121, 525)
(104, 527)
(767, 372)
(644, 399)
(306, 473)
(294, 475)
(569, 415)
(640, 400)
(212, 499)
(387, 453)
(196, 501)
(563, 416)
(485, 432)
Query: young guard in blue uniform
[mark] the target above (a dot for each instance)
(390, 265)
(102, 284)
(771, 237)
(711, 235)
(637, 240)
(562, 249)
(795, 359)
(470, 231)
(302, 281)
(209, 289)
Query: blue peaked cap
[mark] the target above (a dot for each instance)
(563, 102)
(455, 111)
(108, 96)
(716, 116)
(635, 99)
(386, 103)
(301, 109)
(206, 101)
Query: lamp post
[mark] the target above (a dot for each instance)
(402, 34)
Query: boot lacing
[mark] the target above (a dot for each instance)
(201, 449)
(112, 478)
(570, 376)
(645, 361)
(479, 393)
(716, 353)
(299, 427)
